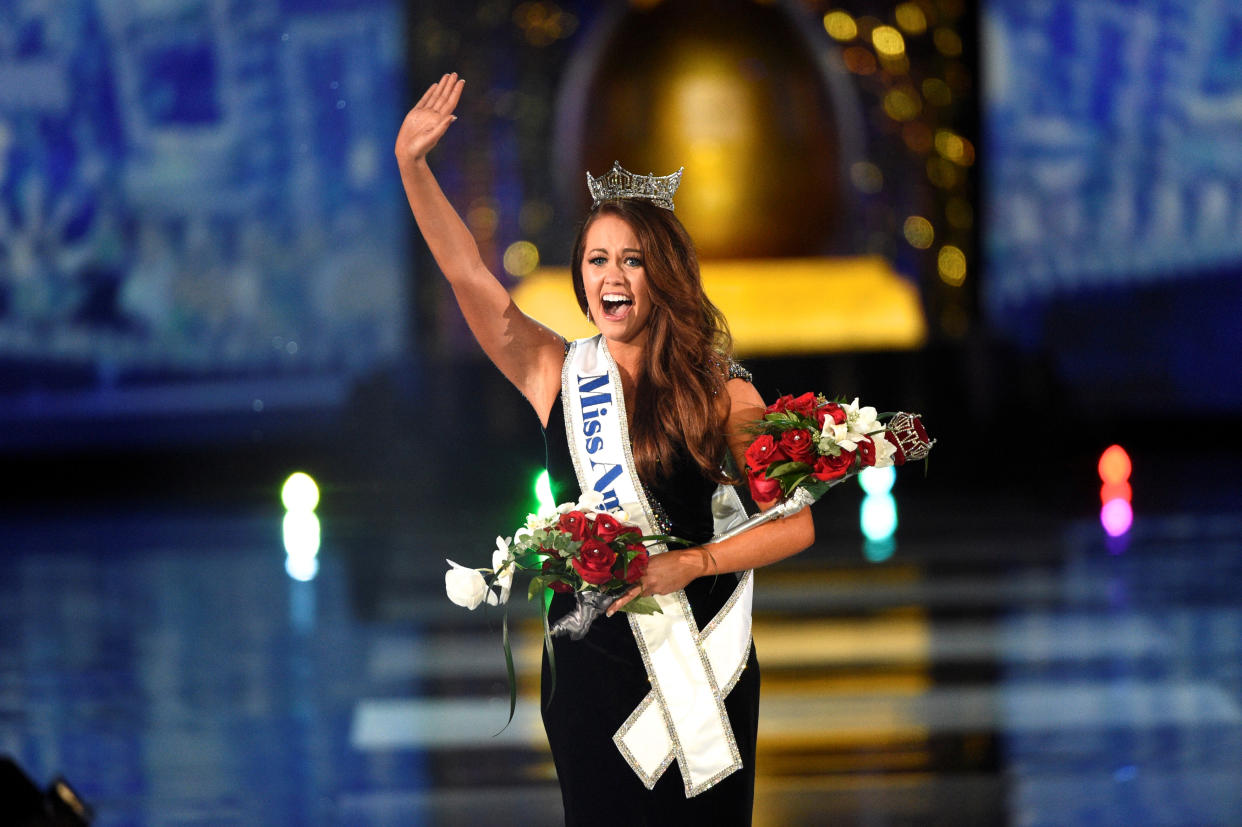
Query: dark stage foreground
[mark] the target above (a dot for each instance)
(1007, 664)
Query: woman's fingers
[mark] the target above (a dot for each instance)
(444, 90)
(454, 94)
(430, 118)
(623, 599)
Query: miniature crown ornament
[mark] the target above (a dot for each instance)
(620, 183)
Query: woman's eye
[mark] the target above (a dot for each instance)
(633, 261)
(596, 260)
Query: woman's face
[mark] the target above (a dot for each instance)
(615, 281)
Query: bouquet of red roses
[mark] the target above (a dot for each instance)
(806, 444)
(809, 441)
(577, 549)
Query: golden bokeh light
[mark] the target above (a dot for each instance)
(902, 103)
(951, 263)
(898, 65)
(943, 173)
(521, 258)
(919, 232)
(954, 148)
(948, 42)
(911, 18)
(888, 41)
(840, 26)
(482, 218)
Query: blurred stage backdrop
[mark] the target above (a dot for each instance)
(1023, 219)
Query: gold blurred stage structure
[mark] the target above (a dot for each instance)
(774, 305)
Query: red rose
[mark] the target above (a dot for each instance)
(780, 405)
(804, 405)
(574, 523)
(831, 468)
(550, 566)
(763, 452)
(607, 528)
(637, 567)
(828, 411)
(762, 489)
(594, 562)
(797, 444)
(866, 450)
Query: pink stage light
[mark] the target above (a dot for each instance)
(1116, 516)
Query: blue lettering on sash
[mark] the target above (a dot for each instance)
(593, 383)
(594, 397)
(602, 485)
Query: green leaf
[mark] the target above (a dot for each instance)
(778, 471)
(504, 637)
(547, 643)
(792, 482)
(818, 488)
(536, 584)
(643, 606)
(532, 560)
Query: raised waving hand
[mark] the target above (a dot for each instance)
(526, 352)
(430, 118)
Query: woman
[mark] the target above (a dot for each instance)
(653, 719)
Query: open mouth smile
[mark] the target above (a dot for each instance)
(616, 306)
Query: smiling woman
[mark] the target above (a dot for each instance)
(655, 714)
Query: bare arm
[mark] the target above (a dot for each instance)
(526, 352)
(760, 546)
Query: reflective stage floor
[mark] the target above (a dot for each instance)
(1004, 662)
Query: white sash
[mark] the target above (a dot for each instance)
(683, 718)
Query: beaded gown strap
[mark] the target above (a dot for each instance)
(736, 371)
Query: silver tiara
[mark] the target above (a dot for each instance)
(619, 183)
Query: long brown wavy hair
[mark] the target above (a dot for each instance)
(679, 393)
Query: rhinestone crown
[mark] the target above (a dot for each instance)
(620, 183)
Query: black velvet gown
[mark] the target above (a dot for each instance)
(601, 679)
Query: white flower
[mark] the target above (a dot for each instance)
(504, 573)
(835, 436)
(465, 587)
(884, 451)
(861, 421)
(590, 501)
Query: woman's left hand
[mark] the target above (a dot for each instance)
(667, 573)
